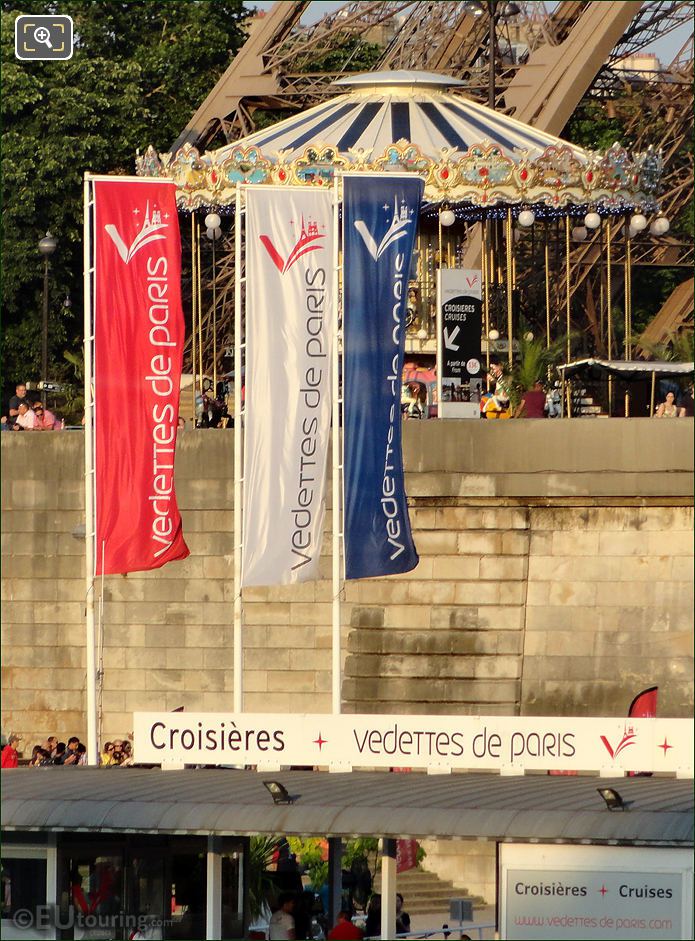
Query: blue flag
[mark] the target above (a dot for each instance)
(379, 225)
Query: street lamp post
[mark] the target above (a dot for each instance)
(495, 11)
(47, 245)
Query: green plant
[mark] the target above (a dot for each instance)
(310, 853)
(535, 361)
(261, 852)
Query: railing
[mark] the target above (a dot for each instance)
(461, 930)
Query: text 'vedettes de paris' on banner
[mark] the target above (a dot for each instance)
(138, 347)
(379, 224)
(289, 304)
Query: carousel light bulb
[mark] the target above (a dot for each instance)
(447, 217)
(592, 220)
(527, 217)
(631, 232)
(494, 335)
(212, 221)
(528, 337)
(638, 222)
(213, 234)
(660, 226)
(422, 334)
(579, 233)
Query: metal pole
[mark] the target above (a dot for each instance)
(238, 443)
(89, 482)
(510, 293)
(486, 301)
(44, 331)
(546, 257)
(336, 684)
(608, 313)
(491, 52)
(194, 286)
(214, 320)
(568, 309)
(651, 398)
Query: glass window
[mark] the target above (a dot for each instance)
(23, 885)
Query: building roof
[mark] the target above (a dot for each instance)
(228, 802)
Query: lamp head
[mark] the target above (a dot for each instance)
(613, 800)
(47, 245)
(279, 792)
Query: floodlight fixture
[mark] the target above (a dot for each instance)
(279, 792)
(613, 800)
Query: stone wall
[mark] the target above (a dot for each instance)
(555, 577)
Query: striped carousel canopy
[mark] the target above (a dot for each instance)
(383, 108)
(468, 155)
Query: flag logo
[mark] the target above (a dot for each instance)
(396, 230)
(307, 242)
(148, 233)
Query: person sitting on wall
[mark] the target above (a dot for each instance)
(44, 420)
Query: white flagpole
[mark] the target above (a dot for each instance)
(335, 441)
(89, 478)
(238, 444)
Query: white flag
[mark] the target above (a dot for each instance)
(289, 304)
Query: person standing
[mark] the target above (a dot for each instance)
(19, 396)
(281, 927)
(10, 755)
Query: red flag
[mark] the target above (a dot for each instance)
(643, 706)
(138, 340)
(406, 855)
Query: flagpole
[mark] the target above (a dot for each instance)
(335, 442)
(89, 482)
(238, 611)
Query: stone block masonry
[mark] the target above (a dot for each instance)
(555, 578)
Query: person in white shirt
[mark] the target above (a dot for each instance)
(26, 418)
(281, 926)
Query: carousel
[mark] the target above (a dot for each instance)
(521, 206)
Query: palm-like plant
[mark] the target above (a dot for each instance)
(535, 361)
(261, 852)
(677, 348)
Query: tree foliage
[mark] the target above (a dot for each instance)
(139, 69)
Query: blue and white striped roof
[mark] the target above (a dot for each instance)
(386, 107)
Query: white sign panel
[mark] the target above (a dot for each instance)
(460, 370)
(437, 743)
(602, 892)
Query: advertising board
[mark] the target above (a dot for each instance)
(459, 358)
(594, 892)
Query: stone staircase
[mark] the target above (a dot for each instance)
(425, 893)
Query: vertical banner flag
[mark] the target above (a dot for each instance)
(459, 306)
(289, 305)
(379, 224)
(138, 347)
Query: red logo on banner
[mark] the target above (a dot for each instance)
(627, 739)
(305, 243)
(138, 345)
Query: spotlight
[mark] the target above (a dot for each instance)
(447, 217)
(527, 217)
(592, 220)
(279, 793)
(638, 222)
(212, 221)
(494, 335)
(613, 800)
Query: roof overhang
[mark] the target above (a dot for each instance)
(222, 801)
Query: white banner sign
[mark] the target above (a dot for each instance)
(595, 892)
(437, 743)
(289, 306)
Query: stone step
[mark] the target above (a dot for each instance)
(425, 893)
